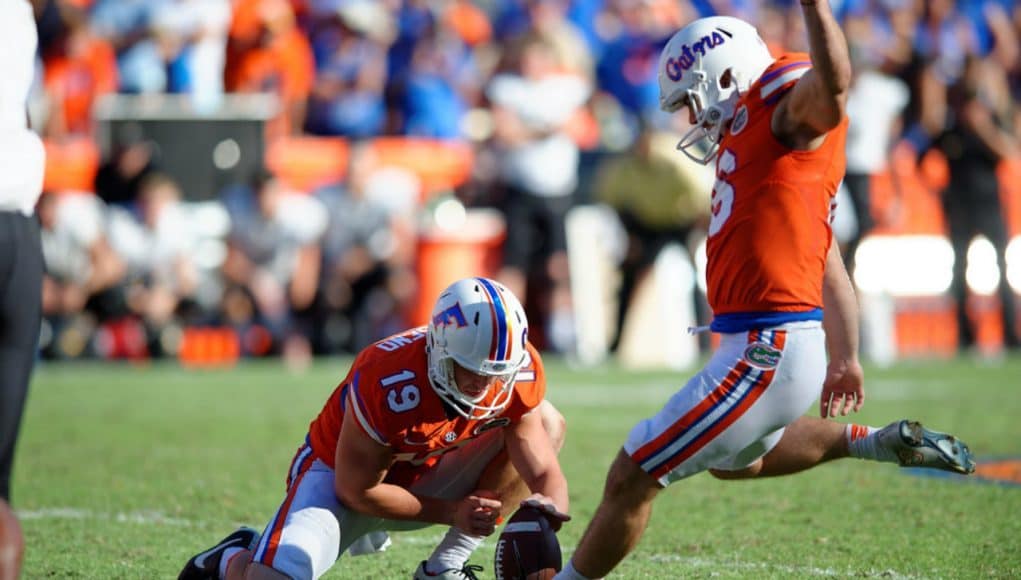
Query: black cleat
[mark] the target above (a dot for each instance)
(206, 565)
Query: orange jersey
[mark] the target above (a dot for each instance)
(770, 227)
(391, 398)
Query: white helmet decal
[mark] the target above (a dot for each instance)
(479, 325)
(690, 68)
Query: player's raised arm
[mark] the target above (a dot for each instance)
(816, 103)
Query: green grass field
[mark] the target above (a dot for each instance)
(126, 471)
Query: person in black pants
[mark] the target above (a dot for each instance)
(22, 161)
(21, 275)
(977, 138)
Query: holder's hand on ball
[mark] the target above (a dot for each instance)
(544, 504)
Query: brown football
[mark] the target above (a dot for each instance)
(527, 548)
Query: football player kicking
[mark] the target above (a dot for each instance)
(776, 129)
(444, 424)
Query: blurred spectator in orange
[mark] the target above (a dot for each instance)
(81, 287)
(660, 198)
(470, 22)
(978, 136)
(79, 67)
(273, 263)
(281, 63)
(348, 96)
(532, 101)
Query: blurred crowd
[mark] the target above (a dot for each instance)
(558, 100)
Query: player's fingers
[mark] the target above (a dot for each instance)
(485, 502)
(824, 402)
(550, 509)
(834, 404)
(859, 401)
(848, 404)
(559, 515)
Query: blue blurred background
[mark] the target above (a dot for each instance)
(230, 179)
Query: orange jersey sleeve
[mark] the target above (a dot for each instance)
(769, 231)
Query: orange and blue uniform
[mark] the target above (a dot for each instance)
(770, 228)
(437, 452)
(389, 392)
(769, 235)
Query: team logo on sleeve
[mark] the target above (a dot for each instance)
(493, 424)
(740, 120)
(452, 315)
(762, 355)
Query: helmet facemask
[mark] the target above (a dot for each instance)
(713, 106)
(442, 376)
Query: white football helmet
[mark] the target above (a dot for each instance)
(480, 325)
(691, 66)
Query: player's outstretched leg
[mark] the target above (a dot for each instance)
(206, 565)
(809, 441)
(912, 445)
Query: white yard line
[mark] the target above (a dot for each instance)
(137, 517)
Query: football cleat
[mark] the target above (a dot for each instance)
(206, 565)
(916, 446)
(465, 573)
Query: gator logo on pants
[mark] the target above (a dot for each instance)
(762, 355)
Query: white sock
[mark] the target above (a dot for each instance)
(225, 559)
(863, 443)
(569, 573)
(453, 551)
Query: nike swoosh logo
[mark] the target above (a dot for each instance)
(200, 560)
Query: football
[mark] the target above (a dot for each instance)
(527, 548)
